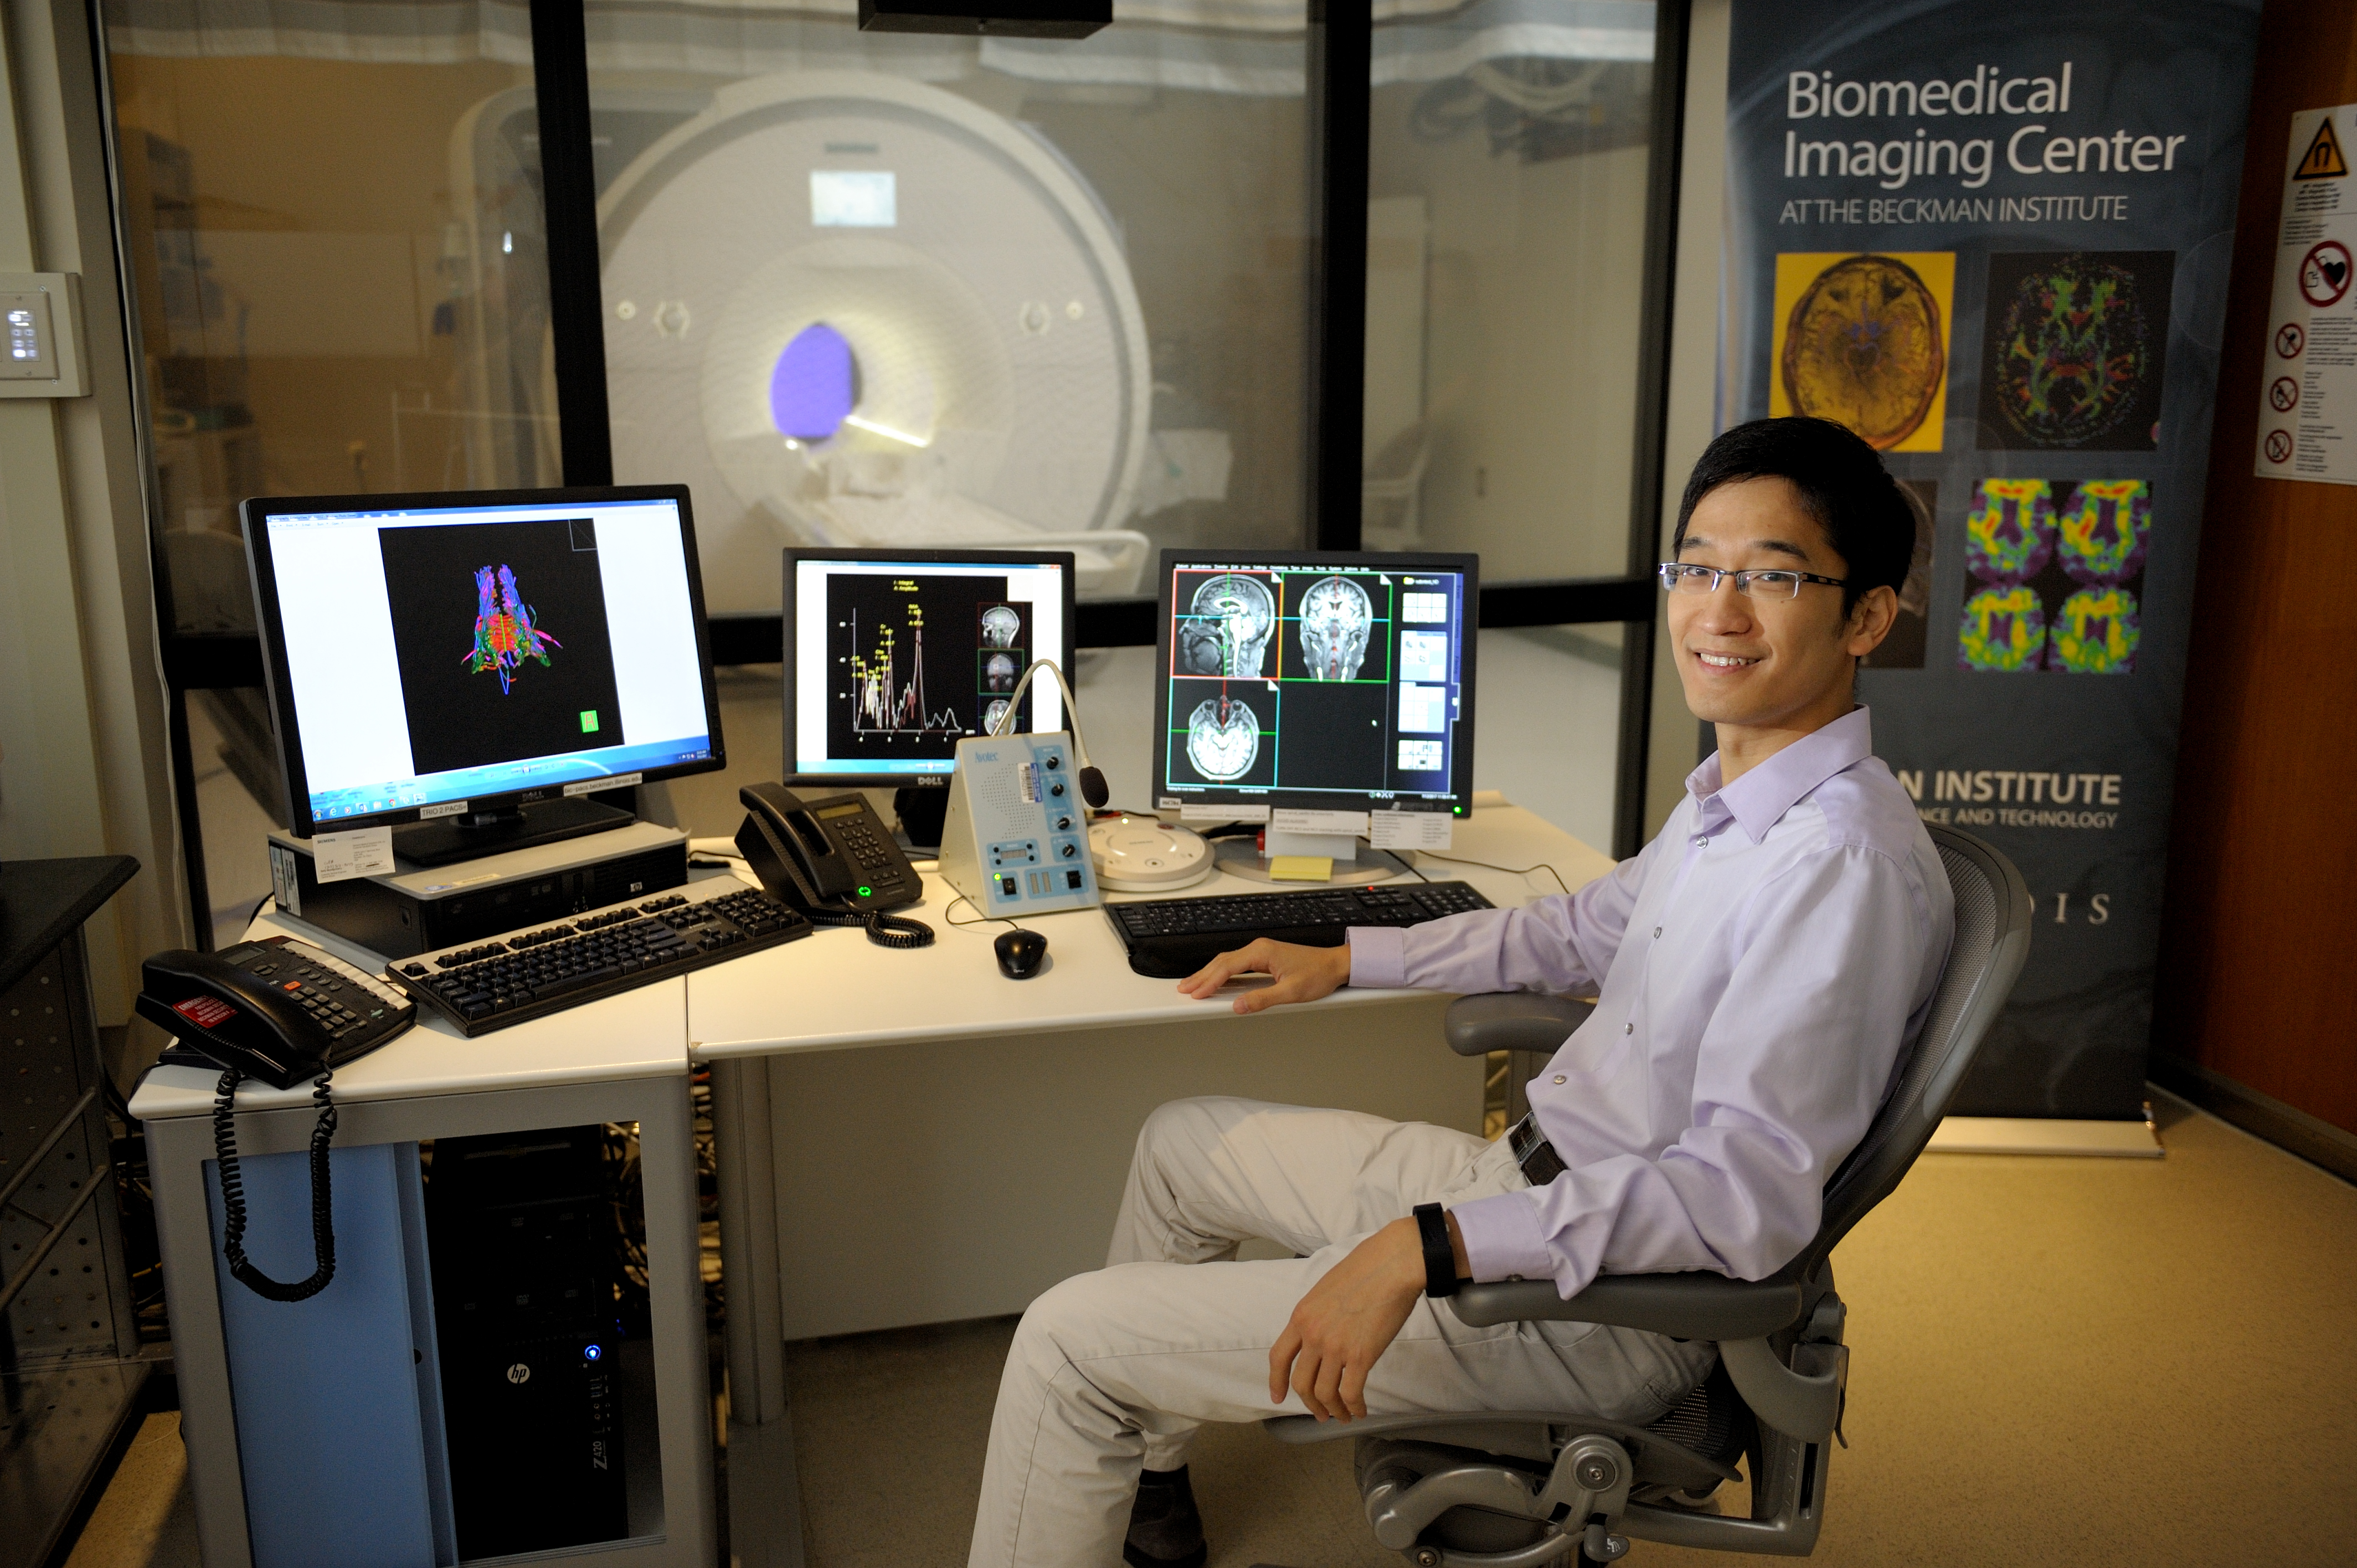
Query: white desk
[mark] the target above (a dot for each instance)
(623, 1059)
(903, 1136)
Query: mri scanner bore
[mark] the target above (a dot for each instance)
(850, 309)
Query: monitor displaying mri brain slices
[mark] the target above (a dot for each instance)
(851, 309)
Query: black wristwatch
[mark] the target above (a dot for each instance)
(1440, 1258)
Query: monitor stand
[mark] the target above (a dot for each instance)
(504, 827)
(921, 814)
(1241, 857)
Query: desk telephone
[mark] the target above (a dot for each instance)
(278, 1010)
(833, 859)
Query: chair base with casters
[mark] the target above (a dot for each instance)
(1522, 1488)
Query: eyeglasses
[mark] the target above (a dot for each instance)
(1679, 577)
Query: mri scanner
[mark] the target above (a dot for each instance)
(850, 309)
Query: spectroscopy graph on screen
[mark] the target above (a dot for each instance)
(916, 661)
(501, 631)
(1319, 679)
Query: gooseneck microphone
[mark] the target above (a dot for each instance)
(1093, 784)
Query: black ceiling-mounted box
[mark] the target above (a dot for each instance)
(1006, 18)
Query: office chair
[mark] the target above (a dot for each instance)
(1521, 1489)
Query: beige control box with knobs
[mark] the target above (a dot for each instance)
(41, 315)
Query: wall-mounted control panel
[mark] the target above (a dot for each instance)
(41, 313)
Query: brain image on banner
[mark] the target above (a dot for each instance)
(2102, 537)
(2009, 529)
(2054, 572)
(1862, 341)
(2095, 633)
(2004, 629)
(2071, 350)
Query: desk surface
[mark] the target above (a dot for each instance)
(638, 1033)
(837, 989)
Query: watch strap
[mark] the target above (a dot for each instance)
(1440, 1258)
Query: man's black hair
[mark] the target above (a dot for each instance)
(1842, 483)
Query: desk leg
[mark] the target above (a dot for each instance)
(765, 1526)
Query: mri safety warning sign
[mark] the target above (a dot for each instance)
(2307, 393)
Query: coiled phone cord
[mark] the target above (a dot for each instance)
(885, 931)
(233, 1185)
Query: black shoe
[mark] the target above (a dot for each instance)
(1165, 1531)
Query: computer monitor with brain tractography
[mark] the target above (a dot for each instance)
(1325, 681)
(462, 667)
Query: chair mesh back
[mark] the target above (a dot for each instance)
(1911, 1110)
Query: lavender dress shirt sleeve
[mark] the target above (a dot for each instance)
(1791, 1063)
(1562, 945)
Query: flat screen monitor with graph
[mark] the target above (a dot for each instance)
(1327, 681)
(893, 656)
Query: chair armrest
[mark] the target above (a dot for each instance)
(1684, 1305)
(1512, 1020)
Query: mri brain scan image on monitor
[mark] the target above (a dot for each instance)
(999, 672)
(1227, 626)
(992, 714)
(1336, 617)
(1223, 739)
(999, 627)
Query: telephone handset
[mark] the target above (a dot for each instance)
(278, 1010)
(833, 859)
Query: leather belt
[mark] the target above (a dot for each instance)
(1537, 1157)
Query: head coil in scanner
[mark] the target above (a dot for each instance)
(861, 310)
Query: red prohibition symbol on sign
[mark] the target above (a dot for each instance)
(2278, 446)
(2325, 274)
(2283, 395)
(2290, 340)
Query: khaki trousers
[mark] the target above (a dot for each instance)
(1117, 1370)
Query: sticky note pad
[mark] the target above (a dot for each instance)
(1301, 868)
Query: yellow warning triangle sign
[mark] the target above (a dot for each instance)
(2322, 160)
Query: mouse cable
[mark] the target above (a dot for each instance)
(1510, 870)
(984, 917)
(1407, 865)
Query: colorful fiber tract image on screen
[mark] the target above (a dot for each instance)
(504, 633)
(2054, 576)
(1863, 341)
(500, 633)
(2072, 349)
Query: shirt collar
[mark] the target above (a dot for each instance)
(1759, 799)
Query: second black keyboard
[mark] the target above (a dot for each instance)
(1172, 938)
(528, 974)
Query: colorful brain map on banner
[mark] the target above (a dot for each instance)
(2004, 629)
(2009, 529)
(2101, 534)
(2095, 633)
(2073, 352)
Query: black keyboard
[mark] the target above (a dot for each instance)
(1172, 938)
(490, 985)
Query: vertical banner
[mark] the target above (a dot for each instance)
(1993, 238)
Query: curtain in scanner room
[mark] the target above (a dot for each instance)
(1248, 47)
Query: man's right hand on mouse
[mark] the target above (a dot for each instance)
(1296, 973)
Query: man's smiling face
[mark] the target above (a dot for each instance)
(1757, 661)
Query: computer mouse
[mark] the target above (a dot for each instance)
(1020, 954)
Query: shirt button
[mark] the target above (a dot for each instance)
(1700, 841)
(1657, 930)
(1558, 1077)
(1628, 1028)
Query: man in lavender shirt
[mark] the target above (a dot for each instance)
(1758, 968)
